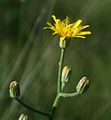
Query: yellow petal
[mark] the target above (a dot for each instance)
(54, 18)
(84, 33)
(83, 27)
(80, 36)
(48, 23)
(59, 24)
(77, 23)
(66, 21)
(46, 28)
(54, 33)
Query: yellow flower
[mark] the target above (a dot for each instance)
(66, 30)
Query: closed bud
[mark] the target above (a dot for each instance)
(81, 86)
(14, 89)
(62, 43)
(66, 74)
(23, 117)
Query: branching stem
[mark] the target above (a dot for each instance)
(58, 84)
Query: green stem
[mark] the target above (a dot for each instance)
(52, 113)
(58, 84)
(54, 106)
(56, 100)
(60, 70)
(69, 94)
(33, 109)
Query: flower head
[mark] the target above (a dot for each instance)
(65, 29)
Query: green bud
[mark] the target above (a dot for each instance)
(62, 43)
(66, 74)
(14, 89)
(23, 117)
(81, 86)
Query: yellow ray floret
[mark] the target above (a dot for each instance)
(65, 29)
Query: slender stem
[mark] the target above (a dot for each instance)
(56, 100)
(62, 86)
(33, 109)
(54, 107)
(60, 70)
(58, 84)
(69, 94)
(52, 113)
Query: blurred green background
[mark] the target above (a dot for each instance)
(30, 55)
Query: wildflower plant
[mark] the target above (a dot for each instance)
(66, 31)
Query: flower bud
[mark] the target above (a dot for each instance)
(23, 117)
(81, 86)
(14, 89)
(62, 43)
(66, 74)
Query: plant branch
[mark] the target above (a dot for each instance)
(69, 94)
(52, 113)
(32, 109)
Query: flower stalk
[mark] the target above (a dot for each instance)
(60, 70)
(58, 83)
(32, 109)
